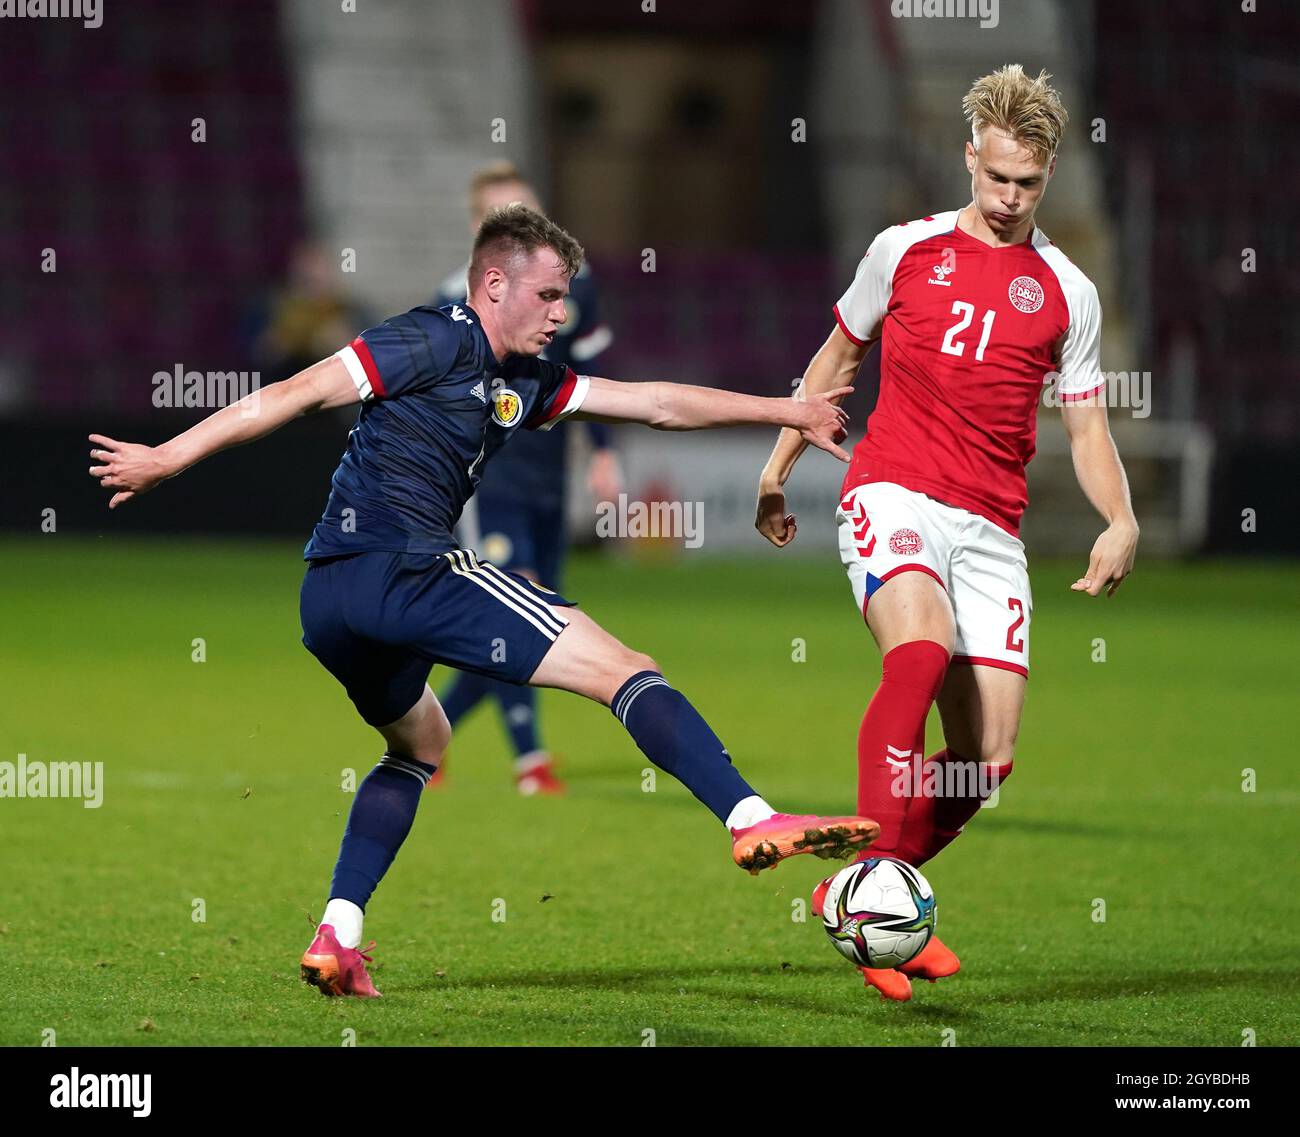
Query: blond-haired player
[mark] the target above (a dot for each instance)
(975, 310)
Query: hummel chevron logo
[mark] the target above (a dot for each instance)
(458, 313)
(478, 392)
(857, 514)
(893, 754)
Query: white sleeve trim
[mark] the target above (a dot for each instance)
(863, 306)
(356, 372)
(1078, 360)
(576, 398)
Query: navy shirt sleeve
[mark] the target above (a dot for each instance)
(406, 353)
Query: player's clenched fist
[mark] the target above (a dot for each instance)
(822, 423)
(772, 520)
(128, 467)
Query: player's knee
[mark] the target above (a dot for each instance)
(423, 733)
(639, 661)
(992, 742)
(437, 735)
(634, 663)
(625, 664)
(999, 746)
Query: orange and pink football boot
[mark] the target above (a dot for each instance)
(336, 970)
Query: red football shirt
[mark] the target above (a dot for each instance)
(971, 335)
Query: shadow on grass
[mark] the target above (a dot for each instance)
(843, 994)
(840, 993)
(582, 786)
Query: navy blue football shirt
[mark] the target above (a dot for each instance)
(436, 406)
(532, 470)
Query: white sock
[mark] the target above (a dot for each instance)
(346, 919)
(750, 811)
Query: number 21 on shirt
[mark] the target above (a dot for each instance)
(966, 311)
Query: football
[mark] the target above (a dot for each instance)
(879, 912)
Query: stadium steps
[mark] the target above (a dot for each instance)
(391, 102)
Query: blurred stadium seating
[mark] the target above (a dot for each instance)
(670, 132)
(159, 240)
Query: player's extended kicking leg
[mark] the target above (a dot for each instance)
(588, 661)
(378, 621)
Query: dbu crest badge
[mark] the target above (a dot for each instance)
(905, 542)
(1026, 294)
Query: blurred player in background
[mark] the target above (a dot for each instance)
(517, 518)
(975, 309)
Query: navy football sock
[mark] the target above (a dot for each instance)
(464, 694)
(519, 710)
(671, 733)
(378, 824)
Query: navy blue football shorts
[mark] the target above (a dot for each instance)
(380, 621)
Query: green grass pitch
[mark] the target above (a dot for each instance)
(222, 784)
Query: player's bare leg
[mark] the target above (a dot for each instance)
(911, 606)
(423, 733)
(981, 710)
(587, 660)
(335, 963)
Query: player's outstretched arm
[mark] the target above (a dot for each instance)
(832, 369)
(678, 406)
(1101, 476)
(131, 468)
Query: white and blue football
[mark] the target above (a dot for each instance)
(879, 912)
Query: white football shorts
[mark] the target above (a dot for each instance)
(885, 529)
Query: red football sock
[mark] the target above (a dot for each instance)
(911, 677)
(934, 820)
